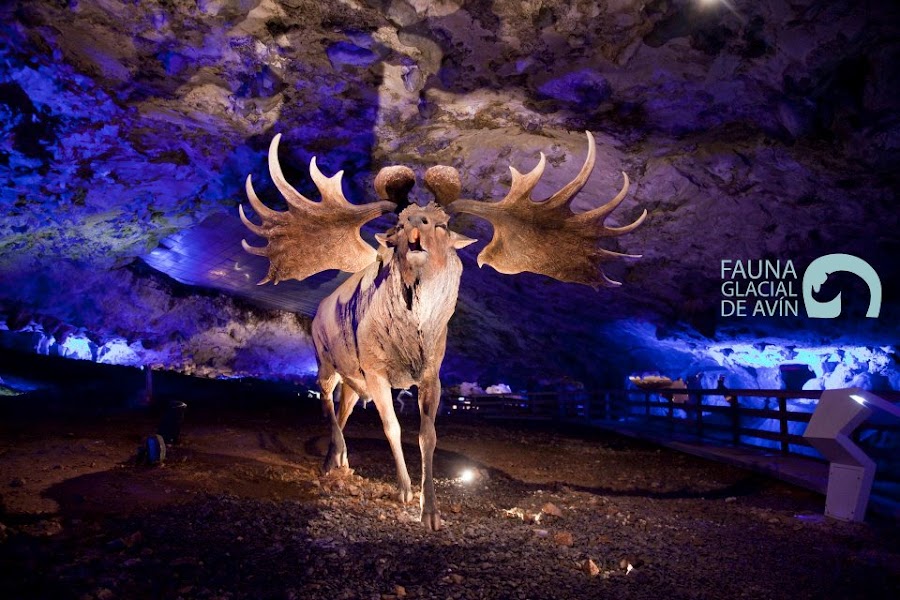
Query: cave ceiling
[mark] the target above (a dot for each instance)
(749, 130)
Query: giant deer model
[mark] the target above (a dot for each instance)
(386, 326)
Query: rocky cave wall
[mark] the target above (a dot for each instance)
(750, 130)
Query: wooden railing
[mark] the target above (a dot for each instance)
(770, 419)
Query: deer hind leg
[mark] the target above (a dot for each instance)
(429, 399)
(381, 394)
(337, 449)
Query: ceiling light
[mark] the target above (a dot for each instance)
(726, 3)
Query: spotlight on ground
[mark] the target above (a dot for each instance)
(467, 476)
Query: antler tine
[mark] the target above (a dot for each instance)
(329, 187)
(523, 185)
(569, 190)
(607, 282)
(248, 223)
(254, 249)
(261, 209)
(293, 197)
(614, 254)
(266, 214)
(600, 213)
(611, 254)
(613, 231)
(258, 252)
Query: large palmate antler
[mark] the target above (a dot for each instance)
(310, 236)
(547, 237)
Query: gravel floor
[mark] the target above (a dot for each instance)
(240, 510)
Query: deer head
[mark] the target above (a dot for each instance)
(422, 242)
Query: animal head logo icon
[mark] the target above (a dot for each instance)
(817, 274)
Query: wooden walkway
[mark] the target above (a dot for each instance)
(803, 472)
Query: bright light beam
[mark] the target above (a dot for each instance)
(727, 4)
(467, 476)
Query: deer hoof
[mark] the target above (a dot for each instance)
(406, 496)
(335, 460)
(432, 520)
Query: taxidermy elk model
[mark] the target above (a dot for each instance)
(386, 326)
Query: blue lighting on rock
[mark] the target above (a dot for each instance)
(757, 363)
(345, 53)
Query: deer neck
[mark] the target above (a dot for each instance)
(426, 295)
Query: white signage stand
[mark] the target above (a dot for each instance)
(850, 476)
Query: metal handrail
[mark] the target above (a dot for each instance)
(722, 421)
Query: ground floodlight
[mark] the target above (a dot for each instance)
(851, 472)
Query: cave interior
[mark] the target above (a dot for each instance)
(762, 138)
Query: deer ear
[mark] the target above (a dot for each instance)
(382, 239)
(459, 240)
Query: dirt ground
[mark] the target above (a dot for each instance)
(240, 509)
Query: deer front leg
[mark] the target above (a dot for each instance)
(429, 399)
(380, 390)
(337, 447)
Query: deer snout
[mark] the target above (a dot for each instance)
(414, 240)
(418, 220)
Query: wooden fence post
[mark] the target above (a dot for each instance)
(700, 418)
(782, 418)
(735, 421)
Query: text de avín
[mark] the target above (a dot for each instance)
(759, 288)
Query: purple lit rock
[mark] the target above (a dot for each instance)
(770, 133)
